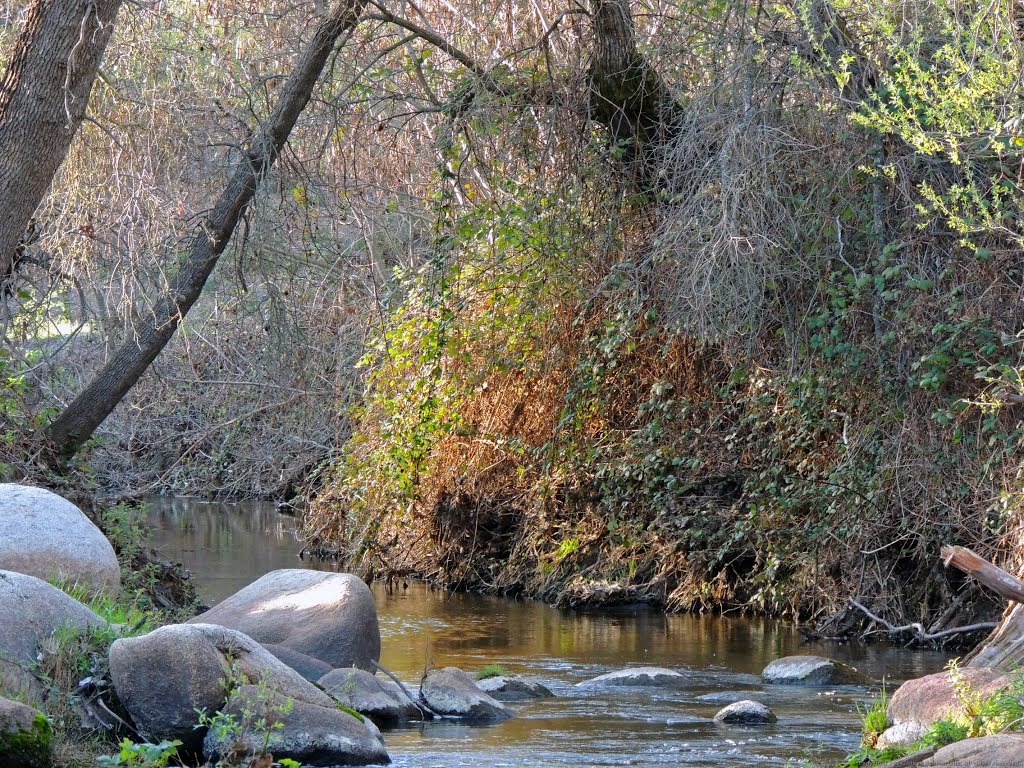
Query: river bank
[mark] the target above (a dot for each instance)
(228, 546)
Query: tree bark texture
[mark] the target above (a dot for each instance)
(76, 424)
(627, 94)
(1004, 648)
(43, 96)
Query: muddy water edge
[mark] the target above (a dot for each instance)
(227, 546)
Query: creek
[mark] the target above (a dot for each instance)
(227, 546)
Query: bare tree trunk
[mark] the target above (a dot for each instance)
(76, 424)
(43, 95)
(627, 94)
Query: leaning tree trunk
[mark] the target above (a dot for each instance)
(627, 94)
(43, 95)
(76, 424)
(1004, 648)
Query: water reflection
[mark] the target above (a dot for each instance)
(229, 546)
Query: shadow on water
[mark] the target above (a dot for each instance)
(228, 546)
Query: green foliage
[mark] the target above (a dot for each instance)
(479, 310)
(944, 732)
(258, 718)
(875, 718)
(491, 670)
(142, 755)
(133, 614)
(125, 528)
(146, 586)
(950, 92)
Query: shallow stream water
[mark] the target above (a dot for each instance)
(228, 546)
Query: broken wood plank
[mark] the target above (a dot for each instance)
(989, 574)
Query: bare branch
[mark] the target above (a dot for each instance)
(920, 633)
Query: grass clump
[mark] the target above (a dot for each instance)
(491, 670)
(978, 715)
(875, 719)
(132, 613)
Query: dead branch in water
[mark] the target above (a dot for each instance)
(989, 574)
(920, 633)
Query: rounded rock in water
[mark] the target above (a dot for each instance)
(746, 713)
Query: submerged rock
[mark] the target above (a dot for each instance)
(1003, 750)
(359, 690)
(811, 671)
(450, 691)
(329, 616)
(46, 536)
(30, 611)
(308, 733)
(728, 697)
(25, 736)
(513, 688)
(746, 713)
(925, 700)
(164, 676)
(640, 676)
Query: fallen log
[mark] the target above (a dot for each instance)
(1004, 648)
(989, 574)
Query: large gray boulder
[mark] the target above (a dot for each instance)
(746, 713)
(452, 692)
(25, 736)
(925, 700)
(30, 611)
(1003, 750)
(359, 690)
(811, 671)
(164, 676)
(329, 616)
(310, 668)
(505, 688)
(45, 535)
(308, 733)
(640, 677)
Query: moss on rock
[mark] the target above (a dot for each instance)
(27, 747)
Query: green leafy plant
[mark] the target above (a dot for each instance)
(246, 732)
(943, 732)
(142, 755)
